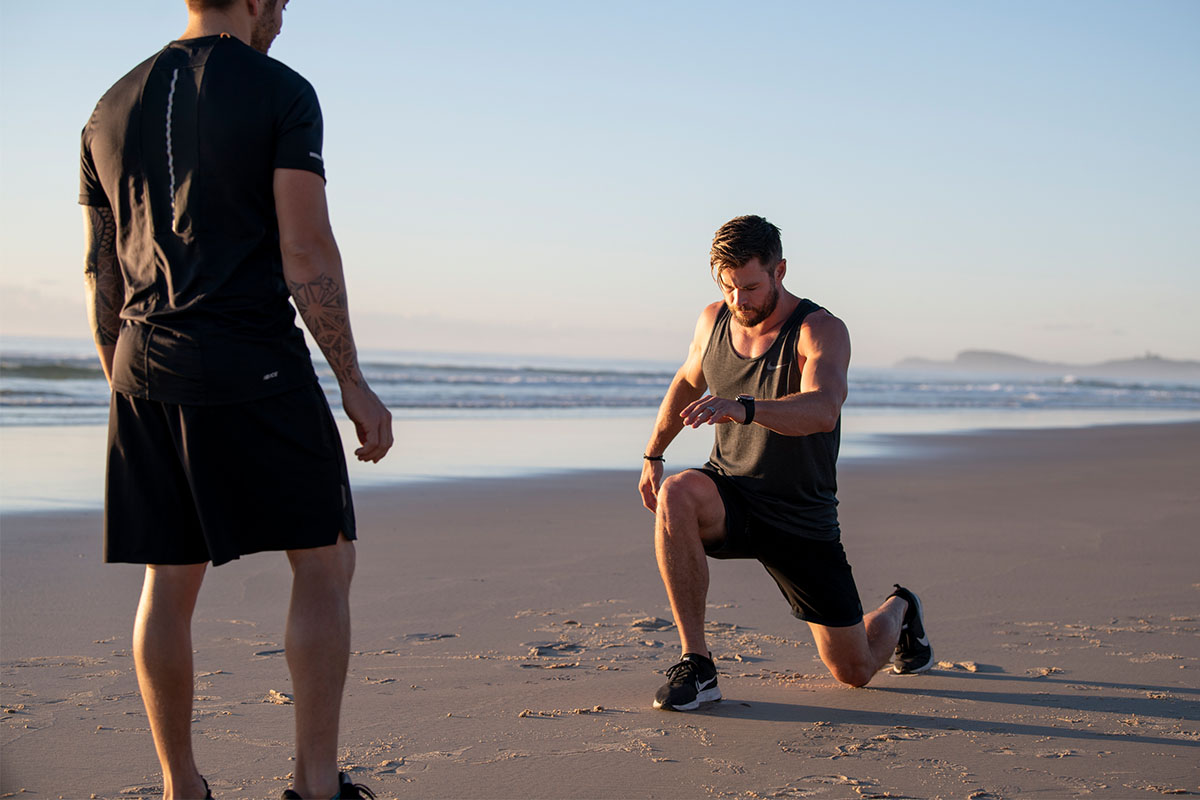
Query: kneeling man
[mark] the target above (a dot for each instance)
(768, 369)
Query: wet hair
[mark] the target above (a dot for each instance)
(742, 240)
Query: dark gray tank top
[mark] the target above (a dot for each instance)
(789, 481)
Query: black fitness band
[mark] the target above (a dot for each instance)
(747, 402)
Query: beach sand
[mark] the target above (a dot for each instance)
(509, 635)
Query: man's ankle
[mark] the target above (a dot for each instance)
(318, 789)
(187, 788)
(900, 603)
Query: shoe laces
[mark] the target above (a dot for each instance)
(683, 671)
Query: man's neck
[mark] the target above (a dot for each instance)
(213, 23)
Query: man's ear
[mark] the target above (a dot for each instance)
(780, 270)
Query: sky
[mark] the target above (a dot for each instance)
(545, 177)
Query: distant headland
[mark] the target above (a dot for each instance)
(1149, 367)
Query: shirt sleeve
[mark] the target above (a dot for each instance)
(91, 193)
(300, 134)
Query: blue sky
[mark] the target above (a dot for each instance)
(545, 177)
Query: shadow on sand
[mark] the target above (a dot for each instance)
(1168, 706)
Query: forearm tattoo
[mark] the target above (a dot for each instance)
(102, 275)
(322, 305)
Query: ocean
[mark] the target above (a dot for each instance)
(57, 383)
(461, 415)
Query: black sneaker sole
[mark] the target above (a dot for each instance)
(705, 696)
(928, 665)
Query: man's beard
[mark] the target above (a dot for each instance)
(756, 314)
(262, 36)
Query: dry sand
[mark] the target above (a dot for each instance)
(509, 633)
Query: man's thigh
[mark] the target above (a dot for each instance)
(813, 575)
(268, 474)
(150, 515)
(728, 534)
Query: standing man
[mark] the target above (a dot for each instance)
(774, 366)
(204, 197)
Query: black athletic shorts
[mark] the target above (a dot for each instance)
(813, 575)
(189, 484)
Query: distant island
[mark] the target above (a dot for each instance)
(1149, 367)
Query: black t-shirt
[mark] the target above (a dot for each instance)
(183, 151)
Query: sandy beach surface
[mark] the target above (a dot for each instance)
(510, 633)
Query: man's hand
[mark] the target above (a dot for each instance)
(652, 475)
(105, 284)
(712, 410)
(372, 421)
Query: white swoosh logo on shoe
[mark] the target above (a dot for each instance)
(923, 641)
(702, 685)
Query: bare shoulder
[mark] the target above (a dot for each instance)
(705, 323)
(700, 337)
(708, 317)
(823, 331)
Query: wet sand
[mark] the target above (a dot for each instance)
(509, 635)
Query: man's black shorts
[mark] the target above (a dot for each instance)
(813, 575)
(189, 484)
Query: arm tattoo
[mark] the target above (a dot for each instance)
(102, 275)
(322, 305)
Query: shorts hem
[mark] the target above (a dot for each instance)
(800, 615)
(310, 542)
(152, 563)
(307, 544)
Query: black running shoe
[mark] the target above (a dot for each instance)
(352, 791)
(689, 683)
(914, 654)
(346, 791)
(207, 791)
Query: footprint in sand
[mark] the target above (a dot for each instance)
(652, 624)
(428, 637)
(559, 648)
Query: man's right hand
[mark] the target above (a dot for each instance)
(652, 475)
(372, 421)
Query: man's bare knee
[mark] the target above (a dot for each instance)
(675, 492)
(335, 561)
(855, 675)
(683, 494)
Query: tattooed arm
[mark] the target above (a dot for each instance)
(312, 268)
(104, 285)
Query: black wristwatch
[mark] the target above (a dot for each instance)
(747, 402)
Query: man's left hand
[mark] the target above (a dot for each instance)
(712, 410)
(372, 421)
